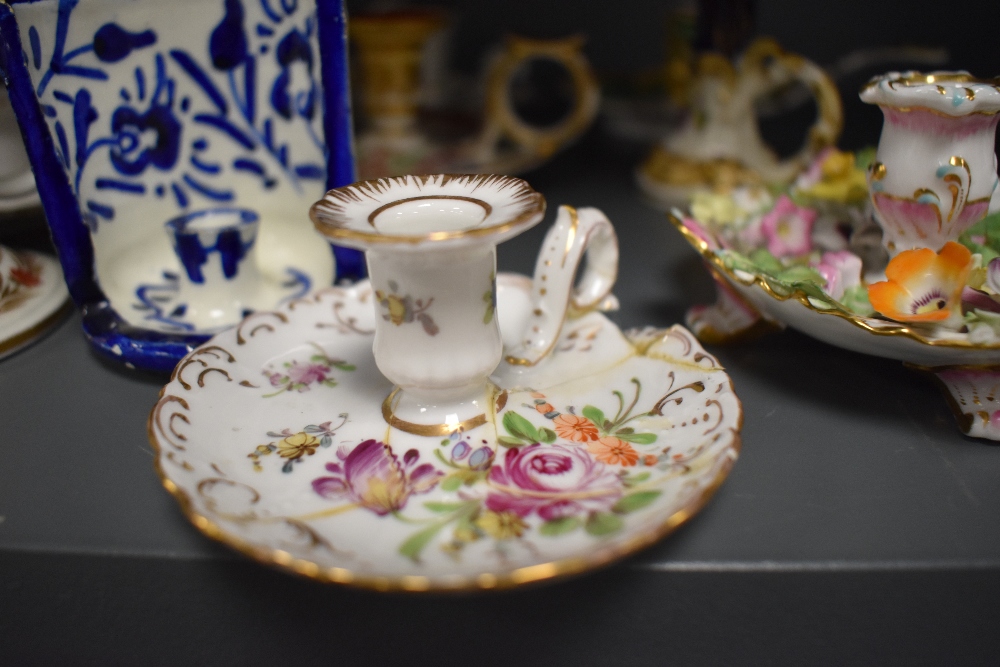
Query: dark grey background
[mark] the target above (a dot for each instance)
(858, 527)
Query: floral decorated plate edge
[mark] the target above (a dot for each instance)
(541, 572)
(872, 325)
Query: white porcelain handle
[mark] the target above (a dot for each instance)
(554, 295)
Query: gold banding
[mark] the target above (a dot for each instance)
(330, 220)
(374, 214)
(920, 79)
(571, 234)
(426, 430)
(716, 263)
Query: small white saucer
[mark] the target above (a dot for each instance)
(33, 298)
(272, 438)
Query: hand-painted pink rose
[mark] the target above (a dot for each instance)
(371, 476)
(554, 481)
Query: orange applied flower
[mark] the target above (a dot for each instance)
(923, 286)
(615, 451)
(574, 428)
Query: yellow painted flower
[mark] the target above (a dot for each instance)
(501, 525)
(837, 179)
(712, 208)
(923, 285)
(298, 445)
(394, 304)
(466, 534)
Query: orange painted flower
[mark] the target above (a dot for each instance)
(650, 459)
(615, 451)
(923, 285)
(574, 428)
(545, 408)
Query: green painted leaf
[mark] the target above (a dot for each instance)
(632, 480)
(445, 442)
(593, 414)
(547, 435)
(560, 526)
(635, 501)
(603, 523)
(519, 427)
(451, 482)
(637, 438)
(443, 507)
(415, 543)
(627, 430)
(507, 441)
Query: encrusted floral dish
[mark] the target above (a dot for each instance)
(812, 257)
(273, 436)
(33, 298)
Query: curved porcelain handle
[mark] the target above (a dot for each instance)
(778, 68)
(554, 295)
(501, 119)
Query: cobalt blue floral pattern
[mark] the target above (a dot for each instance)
(146, 132)
(137, 112)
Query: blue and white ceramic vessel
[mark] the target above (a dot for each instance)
(139, 112)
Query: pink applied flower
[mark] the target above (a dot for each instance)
(554, 481)
(373, 477)
(841, 270)
(788, 228)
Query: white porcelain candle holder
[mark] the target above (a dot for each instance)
(431, 244)
(935, 170)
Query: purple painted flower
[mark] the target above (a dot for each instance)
(554, 481)
(841, 270)
(788, 228)
(373, 477)
(460, 451)
(481, 459)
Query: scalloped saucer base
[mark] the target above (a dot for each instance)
(271, 436)
(33, 299)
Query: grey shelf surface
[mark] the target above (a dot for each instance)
(858, 526)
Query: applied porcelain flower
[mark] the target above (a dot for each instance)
(711, 208)
(923, 285)
(841, 270)
(373, 477)
(788, 228)
(834, 176)
(553, 481)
